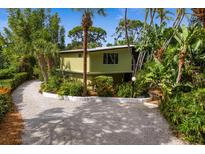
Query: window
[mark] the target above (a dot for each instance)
(110, 58)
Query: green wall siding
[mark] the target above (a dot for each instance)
(124, 62)
(72, 62)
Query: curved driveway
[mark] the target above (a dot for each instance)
(51, 121)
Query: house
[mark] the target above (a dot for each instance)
(115, 61)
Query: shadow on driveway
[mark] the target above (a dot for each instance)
(99, 123)
(50, 121)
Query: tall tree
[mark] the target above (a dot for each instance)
(180, 16)
(40, 46)
(87, 22)
(134, 28)
(96, 36)
(28, 31)
(61, 41)
(54, 27)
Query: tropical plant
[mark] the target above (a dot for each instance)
(71, 88)
(180, 12)
(34, 32)
(185, 112)
(162, 15)
(185, 38)
(87, 22)
(125, 90)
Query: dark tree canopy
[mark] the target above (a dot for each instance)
(96, 36)
(61, 41)
(134, 29)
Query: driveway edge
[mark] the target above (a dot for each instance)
(96, 98)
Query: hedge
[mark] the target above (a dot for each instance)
(15, 81)
(6, 73)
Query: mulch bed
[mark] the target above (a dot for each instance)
(11, 128)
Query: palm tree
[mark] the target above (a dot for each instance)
(151, 12)
(163, 15)
(87, 22)
(128, 45)
(185, 39)
(50, 52)
(180, 16)
(200, 14)
(40, 46)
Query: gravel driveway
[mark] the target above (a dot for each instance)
(50, 121)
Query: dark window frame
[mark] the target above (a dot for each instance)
(110, 58)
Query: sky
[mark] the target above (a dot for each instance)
(71, 18)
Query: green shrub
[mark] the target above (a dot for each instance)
(104, 86)
(16, 81)
(141, 86)
(186, 113)
(5, 104)
(103, 79)
(6, 73)
(125, 90)
(37, 73)
(71, 88)
(7, 83)
(52, 85)
(19, 78)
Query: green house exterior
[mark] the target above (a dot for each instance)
(115, 61)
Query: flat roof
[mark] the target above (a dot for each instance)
(97, 49)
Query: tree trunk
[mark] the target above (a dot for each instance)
(85, 31)
(152, 15)
(161, 20)
(159, 53)
(42, 65)
(128, 43)
(50, 64)
(180, 65)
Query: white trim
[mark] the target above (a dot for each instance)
(96, 98)
(97, 49)
(52, 95)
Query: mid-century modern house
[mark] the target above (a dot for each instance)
(115, 61)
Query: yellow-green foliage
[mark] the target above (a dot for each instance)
(186, 113)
